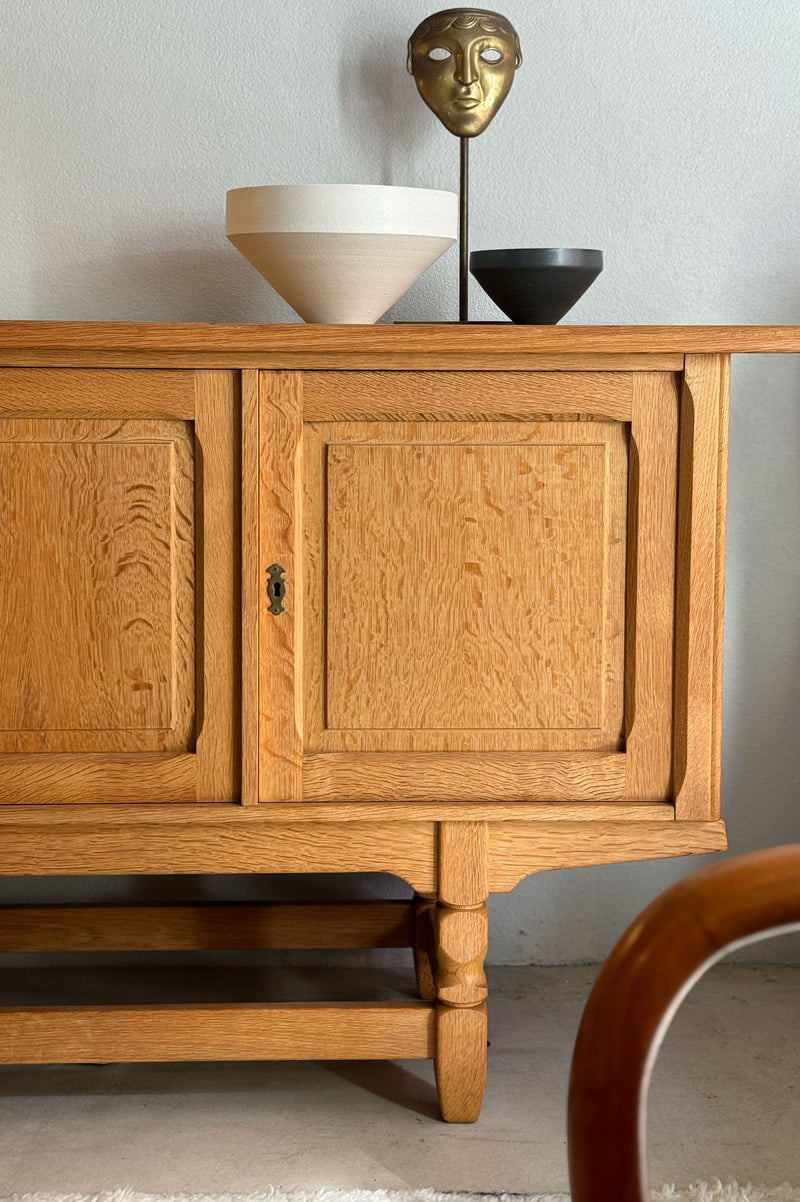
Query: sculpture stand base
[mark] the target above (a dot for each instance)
(453, 323)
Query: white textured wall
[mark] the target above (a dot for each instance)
(665, 133)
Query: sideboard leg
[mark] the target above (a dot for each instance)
(460, 1062)
(460, 943)
(424, 911)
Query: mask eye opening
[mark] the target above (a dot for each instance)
(438, 54)
(491, 55)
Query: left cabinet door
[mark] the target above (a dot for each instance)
(120, 627)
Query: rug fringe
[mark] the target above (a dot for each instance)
(700, 1191)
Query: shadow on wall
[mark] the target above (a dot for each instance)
(761, 703)
(381, 112)
(207, 280)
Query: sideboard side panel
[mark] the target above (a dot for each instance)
(698, 589)
(719, 572)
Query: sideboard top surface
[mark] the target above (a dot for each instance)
(445, 339)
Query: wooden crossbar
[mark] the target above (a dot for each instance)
(277, 1031)
(234, 927)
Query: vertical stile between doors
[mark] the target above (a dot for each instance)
(651, 586)
(218, 442)
(279, 635)
(250, 586)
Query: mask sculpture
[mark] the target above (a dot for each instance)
(463, 61)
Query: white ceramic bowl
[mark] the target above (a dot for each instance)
(341, 253)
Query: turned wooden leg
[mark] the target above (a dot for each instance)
(461, 942)
(423, 948)
(461, 939)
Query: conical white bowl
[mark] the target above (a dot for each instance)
(341, 253)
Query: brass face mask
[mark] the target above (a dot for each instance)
(463, 61)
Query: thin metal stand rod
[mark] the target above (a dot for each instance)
(463, 234)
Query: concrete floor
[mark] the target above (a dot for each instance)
(724, 1103)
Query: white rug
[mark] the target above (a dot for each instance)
(701, 1191)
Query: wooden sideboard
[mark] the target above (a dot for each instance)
(438, 601)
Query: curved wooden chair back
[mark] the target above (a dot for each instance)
(649, 972)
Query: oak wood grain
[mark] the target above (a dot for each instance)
(277, 1031)
(460, 1061)
(518, 849)
(492, 554)
(698, 622)
(280, 542)
(466, 776)
(97, 606)
(651, 587)
(96, 778)
(311, 360)
(719, 576)
(235, 926)
(463, 864)
(148, 628)
(104, 393)
(424, 954)
(315, 573)
(218, 440)
(387, 434)
(465, 396)
(462, 940)
(199, 338)
(405, 849)
(236, 818)
(250, 587)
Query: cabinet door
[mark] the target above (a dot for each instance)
(118, 597)
(477, 579)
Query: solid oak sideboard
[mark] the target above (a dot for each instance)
(438, 601)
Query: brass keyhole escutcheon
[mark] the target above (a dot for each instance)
(276, 588)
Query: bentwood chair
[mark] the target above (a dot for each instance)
(648, 974)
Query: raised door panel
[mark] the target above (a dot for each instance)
(474, 586)
(113, 527)
(484, 562)
(467, 601)
(97, 603)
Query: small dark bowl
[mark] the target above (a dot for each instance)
(536, 287)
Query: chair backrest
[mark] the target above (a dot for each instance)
(647, 975)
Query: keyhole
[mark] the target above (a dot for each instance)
(276, 588)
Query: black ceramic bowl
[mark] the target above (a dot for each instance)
(536, 287)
